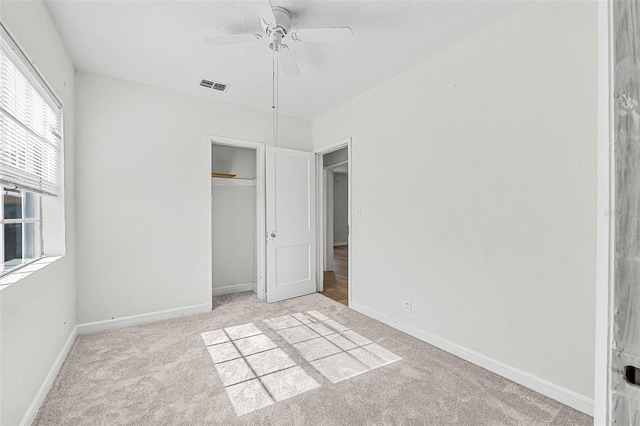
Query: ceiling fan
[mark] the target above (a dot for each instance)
(276, 22)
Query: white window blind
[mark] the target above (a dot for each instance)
(30, 124)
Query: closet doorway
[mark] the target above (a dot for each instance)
(334, 200)
(237, 217)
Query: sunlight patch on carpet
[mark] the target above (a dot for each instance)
(333, 349)
(256, 373)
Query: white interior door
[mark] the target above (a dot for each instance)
(291, 224)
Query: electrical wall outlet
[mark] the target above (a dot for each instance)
(407, 307)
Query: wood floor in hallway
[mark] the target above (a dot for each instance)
(336, 285)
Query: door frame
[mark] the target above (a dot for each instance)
(260, 278)
(327, 221)
(320, 206)
(605, 220)
(328, 213)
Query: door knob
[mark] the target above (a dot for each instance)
(273, 235)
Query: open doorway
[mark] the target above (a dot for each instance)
(237, 219)
(333, 165)
(248, 177)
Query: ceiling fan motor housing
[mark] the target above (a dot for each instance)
(283, 18)
(277, 31)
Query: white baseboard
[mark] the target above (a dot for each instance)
(235, 288)
(559, 393)
(340, 244)
(111, 324)
(34, 407)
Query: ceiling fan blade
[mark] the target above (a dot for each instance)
(323, 35)
(287, 61)
(266, 14)
(231, 39)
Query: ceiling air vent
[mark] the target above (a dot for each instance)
(221, 87)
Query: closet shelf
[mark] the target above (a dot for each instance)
(218, 181)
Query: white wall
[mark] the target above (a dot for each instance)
(489, 224)
(340, 208)
(38, 313)
(139, 149)
(231, 159)
(234, 218)
(234, 235)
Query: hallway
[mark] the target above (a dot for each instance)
(336, 285)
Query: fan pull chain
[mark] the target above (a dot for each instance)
(274, 106)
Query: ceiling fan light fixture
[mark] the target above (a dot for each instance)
(275, 39)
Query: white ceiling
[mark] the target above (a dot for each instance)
(161, 43)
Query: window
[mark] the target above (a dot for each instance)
(21, 229)
(30, 154)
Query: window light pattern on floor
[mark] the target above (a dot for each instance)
(337, 352)
(257, 373)
(254, 371)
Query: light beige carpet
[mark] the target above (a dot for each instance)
(170, 373)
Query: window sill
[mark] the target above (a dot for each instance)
(25, 271)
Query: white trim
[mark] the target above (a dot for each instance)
(560, 394)
(328, 200)
(604, 220)
(337, 165)
(325, 149)
(260, 208)
(234, 288)
(25, 270)
(320, 216)
(328, 221)
(37, 401)
(349, 221)
(112, 324)
(216, 181)
(208, 227)
(321, 263)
